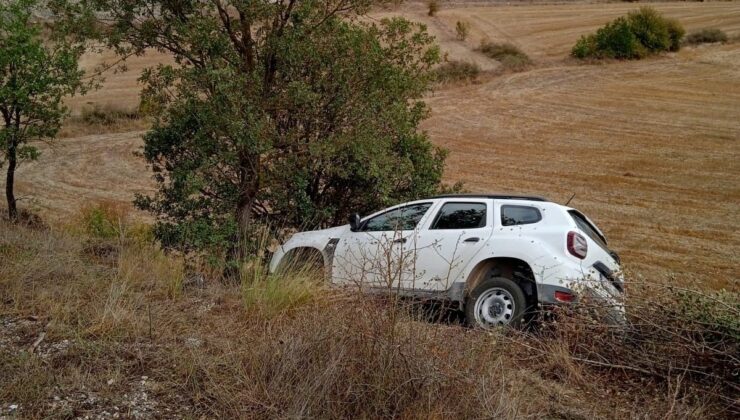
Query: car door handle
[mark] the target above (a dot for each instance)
(472, 240)
(400, 240)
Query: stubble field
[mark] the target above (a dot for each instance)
(650, 148)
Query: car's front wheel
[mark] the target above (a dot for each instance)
(495, 302)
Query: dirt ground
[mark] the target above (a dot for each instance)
(650, 148)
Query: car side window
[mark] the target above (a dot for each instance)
(402, 218)
(519, 215)
(460, 216)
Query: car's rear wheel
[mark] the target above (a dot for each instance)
(495, 302)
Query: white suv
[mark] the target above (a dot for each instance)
(496, 256)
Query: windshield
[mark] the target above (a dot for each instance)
(589, 229)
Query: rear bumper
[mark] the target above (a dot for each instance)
(604, 293)
(546, 293)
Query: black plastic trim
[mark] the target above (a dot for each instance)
(495, 196)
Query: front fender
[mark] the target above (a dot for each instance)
(316, 239)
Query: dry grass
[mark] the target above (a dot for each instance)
(509, 55)
(706, 36)
(133, 335)
(456, 71)
(98, 119)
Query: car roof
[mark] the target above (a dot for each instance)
(495, 196)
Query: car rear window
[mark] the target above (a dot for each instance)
(460, 216)
(587, 228)
(519, 215)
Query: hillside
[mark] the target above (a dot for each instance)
(650, 148)
(96, 321)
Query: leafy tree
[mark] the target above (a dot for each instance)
(35, 75)
(291, 112)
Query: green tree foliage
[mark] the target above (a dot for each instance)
(35, 75)
(290, 112)
(640, 33)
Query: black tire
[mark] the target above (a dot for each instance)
(506, 303)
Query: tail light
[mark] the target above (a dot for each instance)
(577, 245)
(564, 296)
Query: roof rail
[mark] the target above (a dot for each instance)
(495, 196)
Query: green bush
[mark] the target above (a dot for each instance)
(455, 71)
(509, 55)
(617, 40)
(634, 36)
(585, 47)
(706, 36)
(676, 32)
(650, 28)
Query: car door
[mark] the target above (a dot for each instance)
(375, 254)
(447, 243)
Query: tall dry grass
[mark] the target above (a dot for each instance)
(132, 332)
(103, 119)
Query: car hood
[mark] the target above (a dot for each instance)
(316, 238)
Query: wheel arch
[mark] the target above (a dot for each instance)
(302, 252)
(512, 268)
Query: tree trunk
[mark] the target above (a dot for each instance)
(10, 180)
(248, 189)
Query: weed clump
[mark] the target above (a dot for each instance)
(103, 220)
(456, 71)
(462, 29)
(705, 36)
(509, 55)
(108, 116)
(637, 35)
(104, 119)
(432, 7)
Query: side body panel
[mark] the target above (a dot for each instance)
(379, 259)
(442, 255)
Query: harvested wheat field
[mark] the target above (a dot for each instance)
(650, 148)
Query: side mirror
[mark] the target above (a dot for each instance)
(354, 222)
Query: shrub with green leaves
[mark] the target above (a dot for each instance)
(676, 33)
(650, 28)
(706, 35)
(640, 33)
